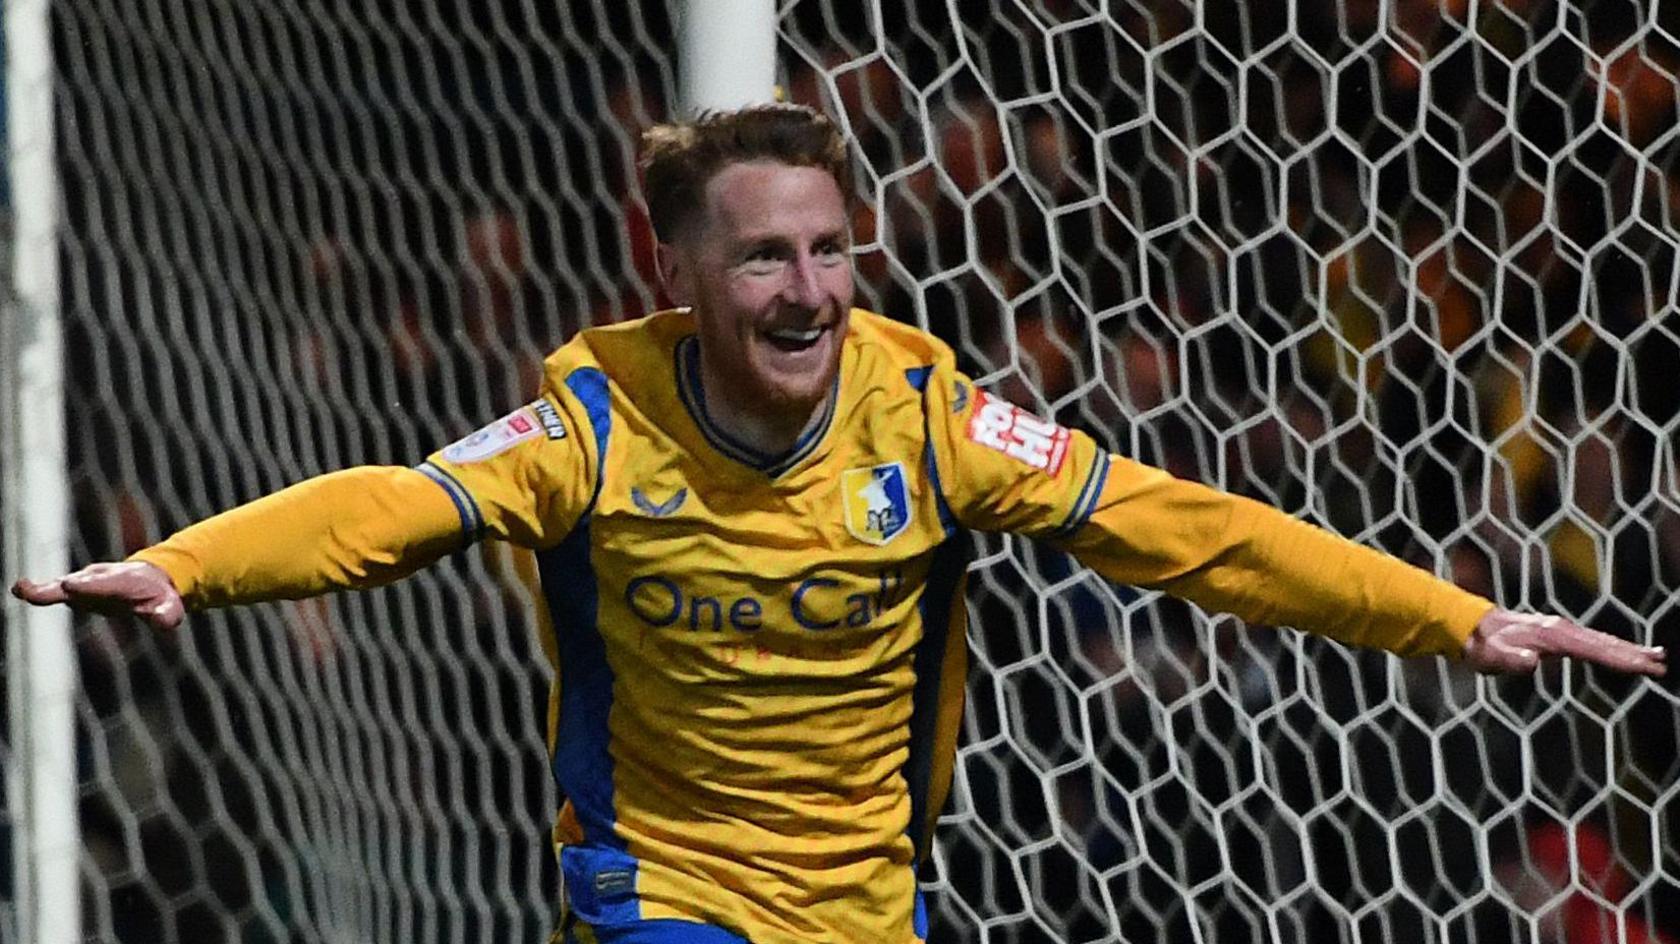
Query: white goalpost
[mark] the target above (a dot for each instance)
(727, 53)
(42, 784)
(1404, 268)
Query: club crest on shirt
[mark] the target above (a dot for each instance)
(497, 438)
(1001, 425)
(877, 501)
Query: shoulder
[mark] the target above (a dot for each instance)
(891, 349)
(638, 349)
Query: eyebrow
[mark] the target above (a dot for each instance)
(759, 239)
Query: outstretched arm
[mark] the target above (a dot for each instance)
(523, 478)
(1239, 556)
(1000, 468)
(357, 528)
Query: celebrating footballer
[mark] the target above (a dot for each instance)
(748, 514)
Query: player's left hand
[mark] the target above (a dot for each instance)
(1516, 642)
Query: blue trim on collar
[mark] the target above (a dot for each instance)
(693, 396)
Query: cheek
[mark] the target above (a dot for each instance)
(838, 282)
(746, 297)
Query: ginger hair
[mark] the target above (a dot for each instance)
(680, 159)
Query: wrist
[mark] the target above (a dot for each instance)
(177, 566)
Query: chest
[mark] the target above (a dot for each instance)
(825, 560)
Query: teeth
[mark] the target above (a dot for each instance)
(801, 337)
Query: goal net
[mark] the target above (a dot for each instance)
(1404, 268)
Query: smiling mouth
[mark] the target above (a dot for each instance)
(794, 340)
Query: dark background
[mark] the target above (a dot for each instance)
(1408, 271)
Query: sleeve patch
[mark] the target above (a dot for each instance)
(1003, 426)
(525, 423)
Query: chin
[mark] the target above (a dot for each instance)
(800, 396)
(789, 390)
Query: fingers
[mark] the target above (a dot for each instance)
(1517, 642)
(1561, 637)
(164, 614)
(40, 594)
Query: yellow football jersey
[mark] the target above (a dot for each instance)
(760, 659)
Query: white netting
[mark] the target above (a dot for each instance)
(1404, 268)
(301, 236)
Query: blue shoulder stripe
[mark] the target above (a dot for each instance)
(918, 378)
(589, 385)
(472, 520)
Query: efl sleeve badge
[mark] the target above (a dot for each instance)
(497, 438)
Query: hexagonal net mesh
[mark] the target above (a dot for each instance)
(1404, 268)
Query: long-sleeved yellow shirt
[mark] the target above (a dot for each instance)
(760, 659)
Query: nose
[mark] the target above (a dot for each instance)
(803, 287)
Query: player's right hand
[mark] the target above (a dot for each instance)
(131, 588)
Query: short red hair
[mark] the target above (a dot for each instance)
(678, 160)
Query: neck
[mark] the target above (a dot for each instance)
(768, 428)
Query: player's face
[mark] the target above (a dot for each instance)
(768, 272)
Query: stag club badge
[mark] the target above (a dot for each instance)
(877, 502)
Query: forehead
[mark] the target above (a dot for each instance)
(762, 198)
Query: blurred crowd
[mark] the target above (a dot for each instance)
(1406, 269)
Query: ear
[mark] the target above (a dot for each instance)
(673, 274)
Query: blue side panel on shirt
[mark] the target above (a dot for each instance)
(600, 876)
(583, 766)
(950, 561)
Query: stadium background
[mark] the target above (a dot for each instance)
(1405, 268)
